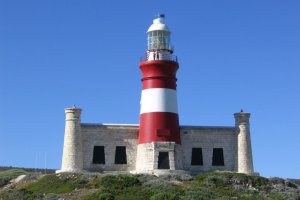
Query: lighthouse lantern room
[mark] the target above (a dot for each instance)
(159, 40)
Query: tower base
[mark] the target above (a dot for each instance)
(162, 156)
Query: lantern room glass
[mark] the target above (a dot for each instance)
(159, 40)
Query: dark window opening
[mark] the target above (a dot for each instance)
(98, 155)
(197, 158)
(120, 155)
(218, 157)
(163, 160)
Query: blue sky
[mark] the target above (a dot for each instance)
(232, 55)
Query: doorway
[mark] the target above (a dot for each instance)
(163, 160)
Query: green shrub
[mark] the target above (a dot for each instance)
(221, 179)
(3, 182)
(134, 193)
(124, 187)
(20, 195)
(258, 181)
(78, 181)
(165, 196)
(228, 175)
(106, 196)
(50, 184)
(216, 181)
(94, 183)
(119, 182)
(158, 185)
(100, 195)
(216, 185)
(198, 194)
(251, 197)
(130, 193)
(144, 178)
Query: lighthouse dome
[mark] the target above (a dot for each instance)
(159, 24)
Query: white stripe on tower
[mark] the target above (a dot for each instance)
(159, 100)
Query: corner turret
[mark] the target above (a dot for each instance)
(72, 160)
(244, 149)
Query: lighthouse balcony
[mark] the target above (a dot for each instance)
(158, 55)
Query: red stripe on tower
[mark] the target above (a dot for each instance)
(159, 113)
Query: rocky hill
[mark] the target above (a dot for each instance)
(20, 184)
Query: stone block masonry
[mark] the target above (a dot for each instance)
(109, 136)
(233, 144)
(244, 153)
(72, 152)
(208, 138)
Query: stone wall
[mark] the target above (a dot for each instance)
(208, 138)
(109, 136)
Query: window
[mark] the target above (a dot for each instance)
(98, 155)
(218, 157)
(197, 158)
(159, 40)
(163, 160)
(120, 155)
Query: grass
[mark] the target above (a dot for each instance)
(50, 184)
(7, 175)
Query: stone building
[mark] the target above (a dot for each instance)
(158, 144)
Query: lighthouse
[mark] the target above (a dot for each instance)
(159, 133)
(157, 145)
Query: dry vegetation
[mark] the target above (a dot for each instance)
(216, 185)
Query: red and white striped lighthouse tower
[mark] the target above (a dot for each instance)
(159, 123)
